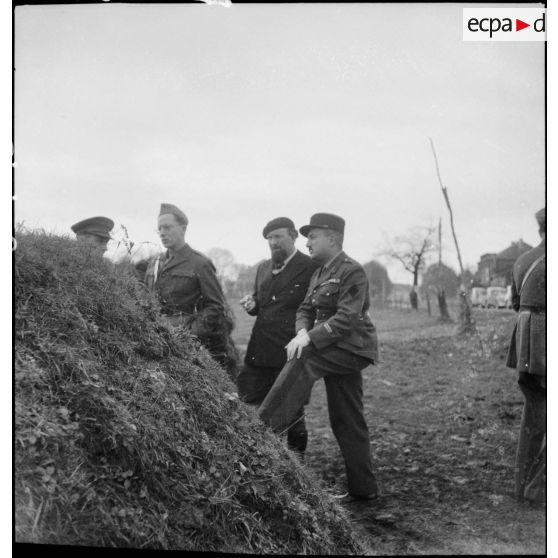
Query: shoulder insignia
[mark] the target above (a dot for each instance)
(328, 328)
(332, 280)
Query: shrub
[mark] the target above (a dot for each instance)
(127, 433)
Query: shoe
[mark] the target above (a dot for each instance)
(346, 497)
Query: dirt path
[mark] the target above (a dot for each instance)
(444, 417)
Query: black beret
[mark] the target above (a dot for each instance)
(168, 208)
(278, 223)
(324, 221)
(99, 226)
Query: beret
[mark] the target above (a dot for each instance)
(278, 223)
(324, 221)
(168, 208)
(99, 226)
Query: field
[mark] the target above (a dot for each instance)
(443, 414)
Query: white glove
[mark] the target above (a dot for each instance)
(296, 344)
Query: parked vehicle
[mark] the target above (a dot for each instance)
(508, 297)
(478, 296)
(496, 297)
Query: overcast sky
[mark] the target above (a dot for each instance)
(242, 114)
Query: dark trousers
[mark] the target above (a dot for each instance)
(530, 463)
(254, 383)
(342, 375)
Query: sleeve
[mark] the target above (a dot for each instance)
(352, 295)
(211, 305)
(255, 310)
(306, 313)
(515, 301)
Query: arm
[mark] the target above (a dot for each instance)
(514, 296)
(352, 295)
(211, 306)
(306, 313)
(254, 311)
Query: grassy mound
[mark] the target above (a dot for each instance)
(128, 434)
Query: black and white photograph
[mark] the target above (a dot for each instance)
(279, 277)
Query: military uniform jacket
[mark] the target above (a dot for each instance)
(188, 288)
(533, 293)
(527, 350)
(335, 309)
(277, 299)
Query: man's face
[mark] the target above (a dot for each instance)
(281, 244)
(171, 231)
(320, 245)
(93, 240)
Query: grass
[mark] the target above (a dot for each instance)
(127, 434)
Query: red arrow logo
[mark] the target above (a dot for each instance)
(519, 25)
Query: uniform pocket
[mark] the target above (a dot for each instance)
(327, 295)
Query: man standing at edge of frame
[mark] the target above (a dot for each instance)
(280, 286)
(335, 340)
(527, 355)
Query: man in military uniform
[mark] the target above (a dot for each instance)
(188, 289)
(94, 231)
(280, 286)
(335, 340)
(527, 355)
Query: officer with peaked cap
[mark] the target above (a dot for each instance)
(280, 286)
(335, 340)
(94, 231)
(527, 355)
(188, 289)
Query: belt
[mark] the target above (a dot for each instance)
(533, 309)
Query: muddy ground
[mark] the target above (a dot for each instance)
(443, 414)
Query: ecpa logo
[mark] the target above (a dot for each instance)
(504, 24)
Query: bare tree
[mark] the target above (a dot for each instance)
(223, 260)
(466, 323)
(411, 251)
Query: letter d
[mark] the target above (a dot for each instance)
(542, 26)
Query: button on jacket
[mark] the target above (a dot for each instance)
(335, 309)
(277, 299)
(188, 289)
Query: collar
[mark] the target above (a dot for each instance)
(279, 269)
(332, 259)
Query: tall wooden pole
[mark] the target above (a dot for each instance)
(466, 323)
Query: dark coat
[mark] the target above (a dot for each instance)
(188, 290)
(335, 309)
(277, 299)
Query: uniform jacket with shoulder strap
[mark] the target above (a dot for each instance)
(335, 309)
(277, 299)
(530, 291)
(188, 289)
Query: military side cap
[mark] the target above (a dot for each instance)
(278, 223)
(99, 226)
(540, 216)
(168, 208)
(324, 221)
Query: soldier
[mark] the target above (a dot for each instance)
(94, 231)
(280, 286)
(335, 340)
(527, 355)
(188, 288)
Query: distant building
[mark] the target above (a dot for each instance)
(495, 270)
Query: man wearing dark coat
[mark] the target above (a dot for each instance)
(335, 340)
(527, 355)
(280, 287)
(188, 289)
